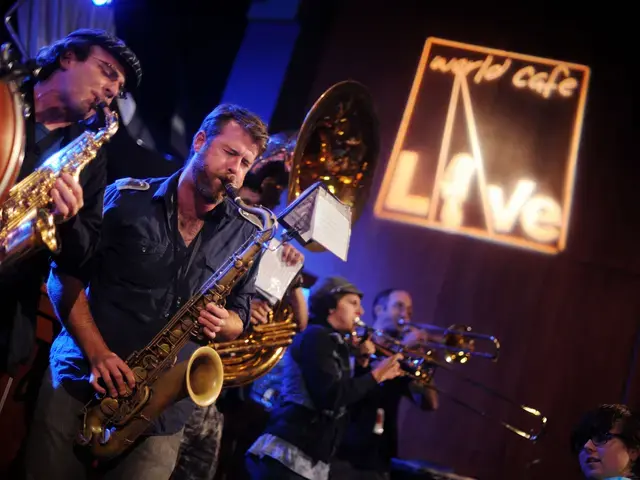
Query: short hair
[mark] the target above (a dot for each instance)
(382, 298)
(601, 420)
(80, 42)
(213, 124)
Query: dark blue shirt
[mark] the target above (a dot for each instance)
(140, 277)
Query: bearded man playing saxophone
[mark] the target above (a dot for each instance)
(161, 240)
(207, 450)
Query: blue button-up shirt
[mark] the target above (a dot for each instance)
(138, 278)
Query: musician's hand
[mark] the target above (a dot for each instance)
(364, 351)
(67, 197)
(291, 255)
(414, 338)
(388, 368)
(113, 371)
(259, 311)
(212, 318)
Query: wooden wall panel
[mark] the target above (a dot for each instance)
(568, 323)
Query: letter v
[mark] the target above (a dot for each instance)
(505, 217)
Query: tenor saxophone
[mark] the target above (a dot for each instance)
(26, 218)
(111, 425)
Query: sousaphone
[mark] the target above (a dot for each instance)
(15, 70)
(12, 123)
(337, 144)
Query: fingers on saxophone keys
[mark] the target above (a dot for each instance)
(209, 333)
(105, 374)
(93, 380)
(209, 321)
(75, 189)
(128, 374)
(61, 207)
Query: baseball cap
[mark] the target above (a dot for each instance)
(331, 286)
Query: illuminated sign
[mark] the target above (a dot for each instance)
(487, 146)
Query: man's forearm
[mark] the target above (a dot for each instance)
(299, 305)
(72, 309)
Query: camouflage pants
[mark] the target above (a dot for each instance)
(200, 447)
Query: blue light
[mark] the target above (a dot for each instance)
(100, 3)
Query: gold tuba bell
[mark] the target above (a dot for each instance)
(337, 144)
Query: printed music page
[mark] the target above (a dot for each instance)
(274, 275)
(300, 213)
(331, 224)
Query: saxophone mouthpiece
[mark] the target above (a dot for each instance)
(231, 190)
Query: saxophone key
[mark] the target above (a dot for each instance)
(164, 349)
(109, 406)
(140, 373)
(175, 334)
(149, 362)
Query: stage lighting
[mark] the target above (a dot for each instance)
(100, 3)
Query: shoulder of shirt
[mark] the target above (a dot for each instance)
(316, 332)
(131, 187)
(129, 183)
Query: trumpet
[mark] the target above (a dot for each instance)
(421, 366)
(458, 342)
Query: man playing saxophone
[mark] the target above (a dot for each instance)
(205, 450)
(371, 438)
(161, 240)
(86, 68)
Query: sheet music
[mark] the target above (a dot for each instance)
(300, 217)
(331, 224)
(274, 275)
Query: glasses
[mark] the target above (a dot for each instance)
(601, 439)
(111, 73)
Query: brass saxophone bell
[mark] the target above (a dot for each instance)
(204, 376)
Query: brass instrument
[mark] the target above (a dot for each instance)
(258, 350)
(337, 144)
(15, 74)
(111, 425)
(458, 342)
(26, 220)
(421, 367)
(12, 124)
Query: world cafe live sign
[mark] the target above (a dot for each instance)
(487, 146)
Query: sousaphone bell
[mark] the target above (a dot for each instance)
(337, 144)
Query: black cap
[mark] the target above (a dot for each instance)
(324, 296)
(112, 44)
(331, 286)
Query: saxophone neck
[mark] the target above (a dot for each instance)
(110, 127)
(268, 219)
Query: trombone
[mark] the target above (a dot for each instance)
(458, 342)
(421, 366)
